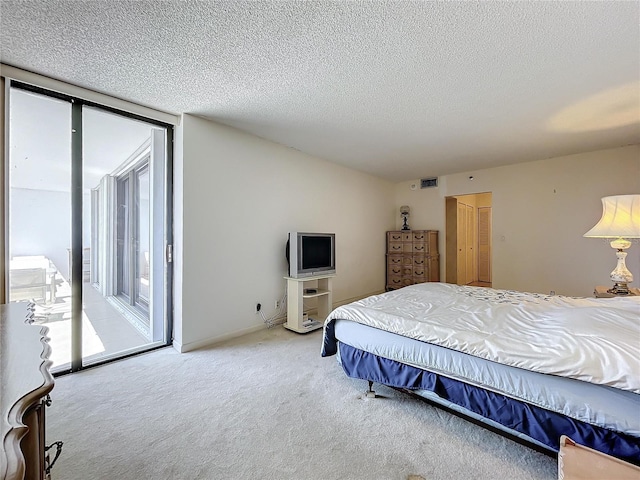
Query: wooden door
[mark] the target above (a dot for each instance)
(469, 245)
(484, 244)
(461, 248)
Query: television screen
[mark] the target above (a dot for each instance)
(316, 252)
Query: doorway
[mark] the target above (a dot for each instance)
(468, 239)
(88, 225)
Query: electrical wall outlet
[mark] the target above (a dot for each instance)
(258, 307)
(277, 304)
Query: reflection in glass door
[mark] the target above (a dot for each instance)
(39, 187)
(123, 260)
(84, 247)
(143, 237)
(133, 237)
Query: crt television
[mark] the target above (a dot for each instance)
(311, 254)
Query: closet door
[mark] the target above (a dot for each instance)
(466, 270)
(469, 245)
(484, 244)
(462, 244)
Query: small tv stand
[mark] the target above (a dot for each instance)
(296, 288)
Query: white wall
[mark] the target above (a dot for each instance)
(540, 212)
(239, 195)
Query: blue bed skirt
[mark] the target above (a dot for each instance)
(538, 423)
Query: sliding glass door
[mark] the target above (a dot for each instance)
(89, 225)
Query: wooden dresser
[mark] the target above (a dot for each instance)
(412, 257)
(25, 383)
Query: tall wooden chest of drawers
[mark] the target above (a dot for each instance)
(412, 257)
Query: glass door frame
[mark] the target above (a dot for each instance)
(77, 200)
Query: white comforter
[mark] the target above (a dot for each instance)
(595, 340)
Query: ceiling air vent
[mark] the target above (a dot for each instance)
(429, 182)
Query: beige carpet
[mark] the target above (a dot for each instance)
(264, 406)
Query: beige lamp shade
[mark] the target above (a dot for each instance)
(620, 218)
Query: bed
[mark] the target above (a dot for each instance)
(532, 366)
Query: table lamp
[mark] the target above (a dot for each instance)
(620, 221)
(404, 213)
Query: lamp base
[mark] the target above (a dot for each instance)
(619, 288)
(621, 275)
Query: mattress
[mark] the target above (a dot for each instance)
(598, 405)
(593, 340)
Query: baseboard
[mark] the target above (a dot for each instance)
(183, 348)
(188, 347)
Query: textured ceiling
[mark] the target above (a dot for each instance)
(402, 90)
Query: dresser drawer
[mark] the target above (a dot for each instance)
(395, 281)
(395, 260)
(418, 236)
(394, 237)
(395, 269)
(396, 247)
(420, 248)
